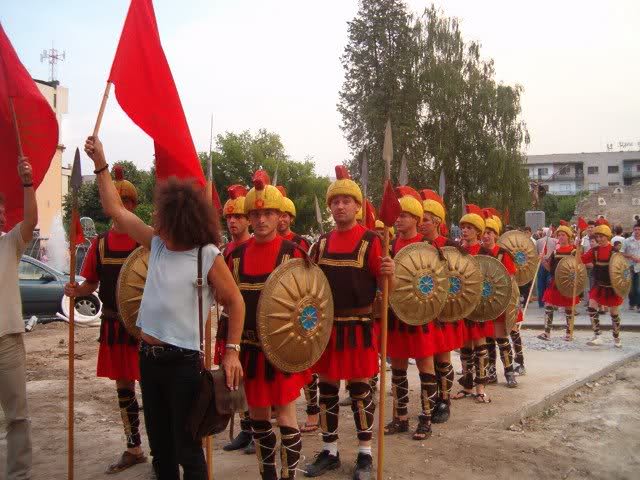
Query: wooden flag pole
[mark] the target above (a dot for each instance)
(71, 339)
(14, 118)
(103, 105)
(578, 261)
(533, 285)
(383, 360)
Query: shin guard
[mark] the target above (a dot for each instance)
(615, 323)
(428, 393)
(311, 396)
(481, 363)
(594, 316)
(265, 440)
(445, 375)
(130, 413)
(506, 354)
(517, 346)
(400, 392)
(493, 357)
(548, 319)
(568, 314)
(290, 448)
(466, 358)
(363, 409)
(329, 411)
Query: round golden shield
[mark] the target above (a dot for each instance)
(511, 313)
(422, 284)
(465, 285)
(565, 276)
(620, 274)
(295, 315)
(524, 252)
(130, 287)
(496, 290)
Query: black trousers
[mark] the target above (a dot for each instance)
(169, 383)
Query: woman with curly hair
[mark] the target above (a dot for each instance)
(185, 232)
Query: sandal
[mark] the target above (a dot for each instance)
(482, 398)
(423, 430)
(126, 460)
(309, 427)
(463, 394)
(396, 426)
(544, 336)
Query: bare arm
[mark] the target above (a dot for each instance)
(110, 199)
(229, 295)
(30, 219)
(82, 290)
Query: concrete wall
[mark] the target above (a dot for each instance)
(50, 192)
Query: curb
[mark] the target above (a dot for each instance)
(540, 326)
(536, 408)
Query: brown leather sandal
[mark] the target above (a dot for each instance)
(126, 460)
(396, 426)
(309, 427)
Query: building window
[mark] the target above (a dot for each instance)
(638, 168)
(614, 184)
(543, 171)
(594, 187)
(612, 169)
(592, 170)
(564, 187)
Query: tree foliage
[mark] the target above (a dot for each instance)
(446, 108)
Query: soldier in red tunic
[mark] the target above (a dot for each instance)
(405, 341)
(118, 351)
(493, 225)
(451, 335)
(602, 293)
(552, 297)
(474, 354)
(238, 227)
(351, 258)
(267, 388)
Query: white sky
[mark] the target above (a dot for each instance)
(276, 65)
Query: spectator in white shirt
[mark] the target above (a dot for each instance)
(631, 250)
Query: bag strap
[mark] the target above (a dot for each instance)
(199, 286)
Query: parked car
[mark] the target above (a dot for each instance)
(42, 290)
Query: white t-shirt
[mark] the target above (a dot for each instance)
(617, 238)
(11, 248)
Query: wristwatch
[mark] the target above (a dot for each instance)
(233, 346)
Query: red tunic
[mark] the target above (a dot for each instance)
(477, 330)
(264, 385)
(602, 292)
(449, 336)
(352, 351)
(405, 341)
(552, 295)
(118, 351)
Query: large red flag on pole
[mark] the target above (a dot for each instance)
(37, 129)
(147, 93)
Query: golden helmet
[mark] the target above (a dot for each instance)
(410, 202)
(492, 220)
(380, 228)
(125, 188)
(564, 227)
(235, 204)
(603, 228)
(433, 203)
(263, 195)
(473, 217)
(343, 185)
(287, 204)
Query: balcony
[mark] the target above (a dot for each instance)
(629, 173)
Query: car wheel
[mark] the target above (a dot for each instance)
(87, 306)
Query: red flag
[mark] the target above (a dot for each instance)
(147, 93)
(582, 225)
(370, 221)
(79, 237)
(390, 208)
(37, 125)
(507, 216)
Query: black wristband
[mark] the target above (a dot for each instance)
(27, 185)
(100, 170)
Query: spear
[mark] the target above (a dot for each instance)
(318, 215)
(364, 180)
(76, 183)
(581, 226)
(389, 211)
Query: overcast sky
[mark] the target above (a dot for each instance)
(276, 65)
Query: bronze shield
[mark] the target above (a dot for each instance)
(130, 287)
(524, 253)
(465, 285)
(620, 274)
(496, 290)
(568, 271)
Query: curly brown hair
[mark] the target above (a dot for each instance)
(184, 215)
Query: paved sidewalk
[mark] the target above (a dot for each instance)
(535, 318)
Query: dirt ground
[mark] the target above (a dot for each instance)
(594, 433)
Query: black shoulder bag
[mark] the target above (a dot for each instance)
(215, 403)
